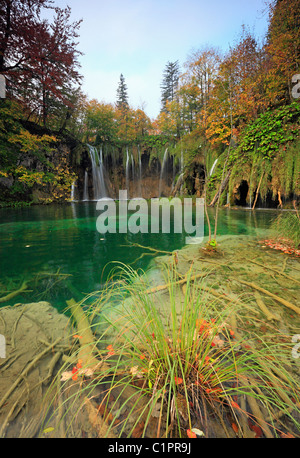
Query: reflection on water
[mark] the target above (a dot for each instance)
(48, 238)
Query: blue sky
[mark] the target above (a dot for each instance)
(138, 37)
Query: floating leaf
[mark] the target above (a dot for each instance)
(191, 434)
(235, 427)
(198, 432)
(48, 430)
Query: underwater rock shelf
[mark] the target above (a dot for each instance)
(36, 338)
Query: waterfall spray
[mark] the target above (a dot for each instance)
(127, 171)
(85, 187)
(97, 173)
(162, 171)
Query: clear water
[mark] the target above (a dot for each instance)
(64, 237)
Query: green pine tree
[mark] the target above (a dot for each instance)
(122, 97)
(169, 83)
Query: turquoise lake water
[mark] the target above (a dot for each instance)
(64, 238)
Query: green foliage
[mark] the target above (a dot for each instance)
(155, 141)
(35, 145)
(270, 145)
(10, 116)
(270, 130)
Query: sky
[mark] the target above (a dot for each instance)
(138, 37)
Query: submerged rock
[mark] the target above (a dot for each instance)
(35, 337)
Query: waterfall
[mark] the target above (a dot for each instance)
(181, 162)
(127, 172)
(85, 187)
(180, 179)
(132, 167)
(102, 182)
(140, 173)
(97, 173)
(213, 167)
(72, 190)
(162, 171)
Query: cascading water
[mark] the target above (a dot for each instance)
(102, 182)
(177, 184)
(180, 178)
(127, 172)
(97, 173)
(182, 162)
(140, 174)
(73, 190)
(85, 187)
(213, 167)
(163, 166)
(132, 168)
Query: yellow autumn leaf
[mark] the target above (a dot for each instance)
(48, 430)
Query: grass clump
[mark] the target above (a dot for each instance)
(287, 225)
(177, 368)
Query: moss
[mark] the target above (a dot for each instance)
(269, 145)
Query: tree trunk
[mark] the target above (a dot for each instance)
(221, 189)
(257, 191)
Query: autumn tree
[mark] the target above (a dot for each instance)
(283, 49)
(142, 124)
(18, 19)
(197, 84)
(39, 58)
(238, 95)
(100, 122)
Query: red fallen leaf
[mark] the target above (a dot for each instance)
(110, 349)
(235, 427)
(209, 390)
(191, 434)
(213, 390)
(138, 430)
(74, 372)
(256, 429)
(178, 380)
(235, 405)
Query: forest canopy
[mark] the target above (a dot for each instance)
(238, 98)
